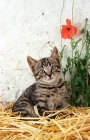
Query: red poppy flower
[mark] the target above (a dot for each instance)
(68, 30)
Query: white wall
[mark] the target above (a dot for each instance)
(31, 27)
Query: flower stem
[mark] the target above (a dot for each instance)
(83, 40)
(87, 91)
(72, 19)
(60, 19)
(72, 99)
(60, 25)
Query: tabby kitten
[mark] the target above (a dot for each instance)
(48, 93)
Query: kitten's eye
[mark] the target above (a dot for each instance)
(53, 67)
(41, 71)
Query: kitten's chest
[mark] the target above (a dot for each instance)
(52, 97)
(54, 100)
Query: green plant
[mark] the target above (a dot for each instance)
(80, 81)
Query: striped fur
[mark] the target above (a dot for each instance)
(48, 93)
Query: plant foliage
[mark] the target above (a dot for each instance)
(80, 81)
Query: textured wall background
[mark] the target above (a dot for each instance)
(32, 27)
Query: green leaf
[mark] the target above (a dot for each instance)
(69, 61)
(64, 71)
(62, 52)
(76, 43)
(82, 31)
(82, 67)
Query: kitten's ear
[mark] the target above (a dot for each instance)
(55, 54)
(32, 62)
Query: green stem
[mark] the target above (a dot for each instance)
(87, 92)
(71, 79)
(61, 27)
(60, 31)
(72, 99)
(72, 19)
(83, 40)
(72, 36)
(60, 19)
(72, 10)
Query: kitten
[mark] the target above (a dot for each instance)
(48, 93)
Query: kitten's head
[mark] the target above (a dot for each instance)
(46, 70)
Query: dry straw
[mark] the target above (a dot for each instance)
(67, 124)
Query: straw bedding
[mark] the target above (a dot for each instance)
(67, 124)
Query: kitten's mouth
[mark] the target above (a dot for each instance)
(51, 78)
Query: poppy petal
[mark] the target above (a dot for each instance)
(75, 30)
(70, 34)
(64, 33)
(68, 30)
(68, 21)
(64, 27)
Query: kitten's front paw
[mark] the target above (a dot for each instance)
(26, 114)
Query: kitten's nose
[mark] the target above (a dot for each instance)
(49, 73)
